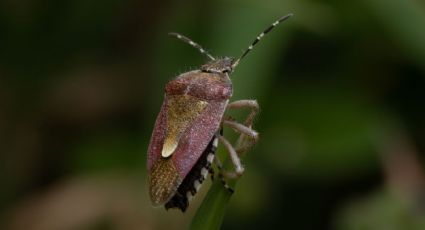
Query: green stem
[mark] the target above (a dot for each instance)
(211, 213)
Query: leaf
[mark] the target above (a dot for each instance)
(211, 212)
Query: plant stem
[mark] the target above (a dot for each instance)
(211, 213)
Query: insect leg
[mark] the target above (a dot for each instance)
(221, 174)
(250, 104)
(244, 143)
(239, 169)
(240, 128)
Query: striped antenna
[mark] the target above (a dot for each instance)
(259, 37)
(192, 43)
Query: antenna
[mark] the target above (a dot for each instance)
(192, 43)
(259, 37)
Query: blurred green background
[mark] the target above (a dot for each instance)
(341, 87)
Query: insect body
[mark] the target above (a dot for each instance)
(188, 129)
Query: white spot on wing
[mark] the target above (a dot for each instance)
(168, 148)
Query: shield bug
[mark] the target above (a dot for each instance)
(188, 128)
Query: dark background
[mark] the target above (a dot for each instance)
(341, 87)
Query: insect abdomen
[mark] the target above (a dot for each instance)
(193, 181)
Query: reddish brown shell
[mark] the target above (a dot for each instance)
(166, 174)
(203, 85)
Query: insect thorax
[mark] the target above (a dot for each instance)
(222, 65)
